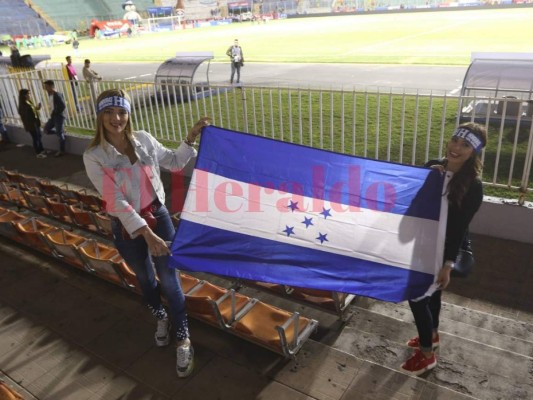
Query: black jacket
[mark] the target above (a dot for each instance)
(459, 217)
(30, 118)
(59, 105)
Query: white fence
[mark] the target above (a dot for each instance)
(398, 127)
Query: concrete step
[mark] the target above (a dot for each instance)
(481, 355)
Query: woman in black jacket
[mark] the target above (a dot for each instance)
(30, 119)
(465, 194)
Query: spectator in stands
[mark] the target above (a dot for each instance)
(92, 78)
(56, 122)
(124, 166)
(15, 56)
(237, 60)
(73, 78)
(465, 194)
(3, 130)
(29, 113)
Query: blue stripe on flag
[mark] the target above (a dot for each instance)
(353, 181)
(197, 247)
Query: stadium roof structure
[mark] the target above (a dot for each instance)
(498, 78)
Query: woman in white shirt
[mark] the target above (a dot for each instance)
(124, 166)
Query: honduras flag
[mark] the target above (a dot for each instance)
(270, 211)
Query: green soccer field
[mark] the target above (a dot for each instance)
(446, 38)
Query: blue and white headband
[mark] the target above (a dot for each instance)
(114, 101)
(470, 137)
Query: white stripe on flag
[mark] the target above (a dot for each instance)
(387, 238)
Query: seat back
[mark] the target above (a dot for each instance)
(274, 328)
(103, 261)
(103, 223)
(7, 220)
(32, 231)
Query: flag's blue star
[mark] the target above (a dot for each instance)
(293, 205)
(307, 222)
(289, 230)
(326, 213)
(322, 237)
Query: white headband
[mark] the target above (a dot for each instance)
(470, 138)
(114, 101)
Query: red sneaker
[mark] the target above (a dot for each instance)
(418, 363)
(415, 342)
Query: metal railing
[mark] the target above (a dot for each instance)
(408, 128)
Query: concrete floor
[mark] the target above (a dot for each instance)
(67, 335)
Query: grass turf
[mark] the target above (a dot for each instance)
(446, 38)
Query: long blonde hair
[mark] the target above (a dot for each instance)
(99, 137)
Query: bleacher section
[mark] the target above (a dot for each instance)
(71, 15)
(16, 18)
(73, 235)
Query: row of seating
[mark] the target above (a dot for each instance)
(46, 188)
(324, 300)
(73, 207)
(249, 318)
(87, 211)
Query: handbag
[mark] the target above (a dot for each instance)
(465, 260)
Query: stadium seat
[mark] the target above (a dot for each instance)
(324, 299)
(8, 218)
(103, 223)
(274, 328)
(82, 218)
(36, 202)
(58, 209)
(65, 246)
(32, 232)
(12, 194)
(90, 201)
(105, 262)
(188, 282)
(216, 305)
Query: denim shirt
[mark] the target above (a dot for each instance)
(128, 188)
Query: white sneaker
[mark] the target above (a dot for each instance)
(42, 154)
(184, 359)
(162, 334)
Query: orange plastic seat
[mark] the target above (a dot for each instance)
(32, 232)
(36, 202)
(188, 282)
(103, 223)
(274, 328)
(104, 261)
(58, 209)
(215, 305)
(12, 194)
(7, 220)
(65, 245)
(82, 218)
(90, 201)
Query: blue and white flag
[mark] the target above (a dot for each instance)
(270, 211)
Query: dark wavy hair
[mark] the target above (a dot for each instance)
(22, 99)
(471, 169)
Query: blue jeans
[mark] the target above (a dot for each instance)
(135, 253)
(56, 125)
(36, 138)
(3, 131)
(426, 313)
